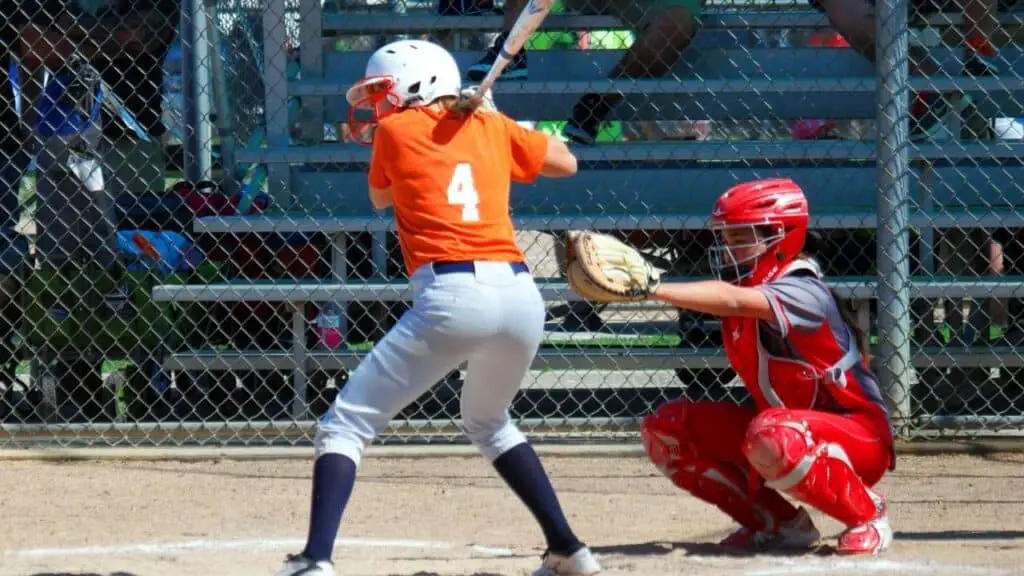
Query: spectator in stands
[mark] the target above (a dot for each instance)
(474, 40)
(464, 7)
(1008, 258)
(976, 253)
(817, 129)
(664, 29)
(855, 20)
(126, 42)
(14, 161)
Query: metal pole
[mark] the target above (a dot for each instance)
(225, 120)
(195, 51)
(275, 93)
(892, 61)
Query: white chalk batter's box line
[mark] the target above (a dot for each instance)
(770, 566)
(253, 545)
(821, 566)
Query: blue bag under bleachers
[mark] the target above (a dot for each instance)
(165, 252)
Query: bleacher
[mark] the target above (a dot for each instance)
(666, 185)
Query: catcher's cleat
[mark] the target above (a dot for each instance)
(872, 537)
(797, 534)
(580, 563)
(298, 565)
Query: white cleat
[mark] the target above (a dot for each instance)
(871, 538)
(298, 565)
(582, 563)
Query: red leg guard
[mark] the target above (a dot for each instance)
(784, 452)
(724, 484)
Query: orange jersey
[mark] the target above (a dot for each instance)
(450, 176)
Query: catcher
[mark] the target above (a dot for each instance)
(819, 430)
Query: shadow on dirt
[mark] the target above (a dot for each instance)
(82, 574)
(439, 574)
(951, 535)
(697, 549)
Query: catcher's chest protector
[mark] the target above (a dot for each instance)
(775, 381)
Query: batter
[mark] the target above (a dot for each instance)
(448, 176)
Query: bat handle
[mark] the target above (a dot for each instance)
(492, 76)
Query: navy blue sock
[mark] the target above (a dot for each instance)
(333, 478)
(522, 471)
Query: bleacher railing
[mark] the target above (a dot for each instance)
(213, 278)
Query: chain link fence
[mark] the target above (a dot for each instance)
(190, 257)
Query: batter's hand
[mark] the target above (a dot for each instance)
(467, 104)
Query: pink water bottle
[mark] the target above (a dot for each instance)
(328, 326)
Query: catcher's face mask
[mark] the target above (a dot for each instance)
(373, 99)
(738, 249)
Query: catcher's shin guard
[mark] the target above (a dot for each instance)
(723, 484)
(820, 474)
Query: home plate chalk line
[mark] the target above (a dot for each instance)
(247, 545)
(769, 566)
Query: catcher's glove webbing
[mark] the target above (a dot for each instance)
(603, 269)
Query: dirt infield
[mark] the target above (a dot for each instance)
(953, 515)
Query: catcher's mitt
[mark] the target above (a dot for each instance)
(603, 269)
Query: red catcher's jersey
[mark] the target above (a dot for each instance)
(808, 359)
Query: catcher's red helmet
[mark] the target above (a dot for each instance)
(765, 223)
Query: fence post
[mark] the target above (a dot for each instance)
(195, 51)
(222, 104)
(311, 62)
(275, 90)
(892, 62)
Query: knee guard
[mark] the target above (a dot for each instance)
(723, 484)
(785, 454)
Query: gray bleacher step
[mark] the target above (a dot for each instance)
(850, 85)
(722, 83)
(302, 223)
(713, 19)
(408, 23)
(288, 291)
(638, 364)
(591, 359)
(330, 224)
(655, 152)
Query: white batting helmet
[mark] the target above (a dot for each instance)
(402, 74)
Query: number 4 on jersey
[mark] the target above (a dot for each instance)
(462, 192)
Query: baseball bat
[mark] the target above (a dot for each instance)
(528, 22)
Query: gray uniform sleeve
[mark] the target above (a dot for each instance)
(800, 303)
